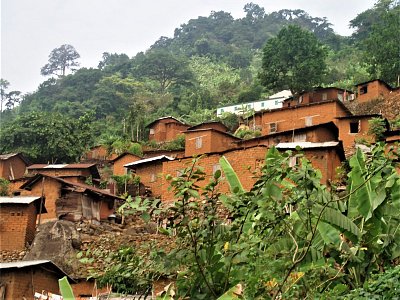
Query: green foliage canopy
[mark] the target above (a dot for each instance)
(47, 137)
(60, 59)
(293, 60)
(382, 47)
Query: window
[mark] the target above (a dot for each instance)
(308, 121)
(153, 177)
(292, 161)
(151, 131)
(364, 89)
(273, 127)
(262, 104)
(300, 137)
(340, 97)
(236, 108)
(276, 102)
(259, 163)
(198, 142)
(355, 127)
(324, 96)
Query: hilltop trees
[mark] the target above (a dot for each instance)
(60, 59)
(165, 68)
(293, 60)
(382, 47)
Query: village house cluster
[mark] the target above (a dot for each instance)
(318, 121)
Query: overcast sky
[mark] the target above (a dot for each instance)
(30, 29)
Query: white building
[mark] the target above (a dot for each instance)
(272, 102)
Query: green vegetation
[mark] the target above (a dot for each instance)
(4, 184)
(287, 237)
(209, 62)
(293, 60)
(47, 137)
(377, 127)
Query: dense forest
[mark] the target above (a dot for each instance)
(209, 62)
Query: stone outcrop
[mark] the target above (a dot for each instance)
(56, 241)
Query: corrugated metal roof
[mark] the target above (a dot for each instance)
(54, 167)
(7, 156)
(164, 118)
(147, 160)
(18, 200)
(30, 263)
(305, 145)
(23, 263)
(61, 166)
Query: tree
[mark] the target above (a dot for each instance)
(10, 98)
(47, 137)
(382, 47)
(293, 60)
(364, 22)
(60, 59)
(13, 98)
(165, 68)
(114, 62)
(3, 87)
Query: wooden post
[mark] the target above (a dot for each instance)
(41, 201)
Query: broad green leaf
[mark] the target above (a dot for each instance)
(395, 194)
(231, 176)
(146, 216)
(65, 289)
(364, 191)
(336, 218)
(329, 234)
(233, 293)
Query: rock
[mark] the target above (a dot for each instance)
(55, 241)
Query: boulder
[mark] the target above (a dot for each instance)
(56, 241)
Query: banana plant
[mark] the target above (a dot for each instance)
(66, 289)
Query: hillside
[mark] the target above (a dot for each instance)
(209, 62)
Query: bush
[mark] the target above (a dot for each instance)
(4, 184)
(377, 127)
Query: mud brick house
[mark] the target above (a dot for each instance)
(324, 132)
(18, 221)
(244, 161)
(72, 172)
(87, 289)
(392, 136)
(21, 279)
(98, 153)
(150, 171)
(208, 140)
(13, 166)
(392, 140)
(353, 128)
(171, 153)
(325, 156)
(212, 124)
(166, 129)
(373, 89)
(123, 159)
(299, 116)
(319, 95)
(71, 200)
